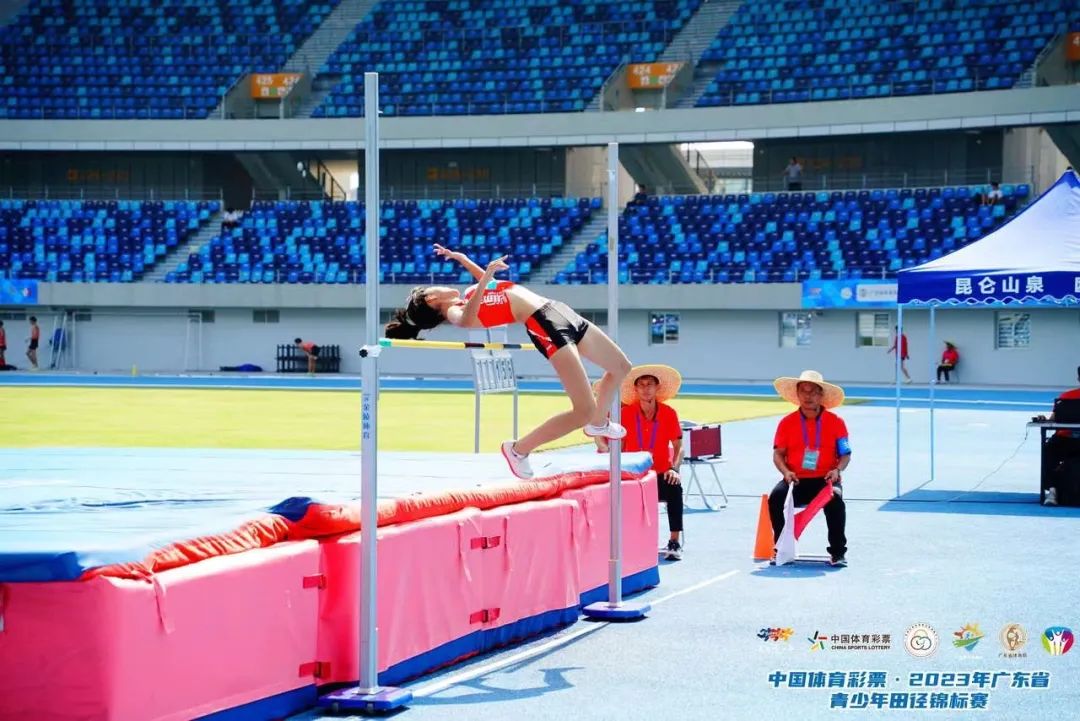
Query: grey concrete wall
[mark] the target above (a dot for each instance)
(344, 297)
(1005, 108)
(715, 344)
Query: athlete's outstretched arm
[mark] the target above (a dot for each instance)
(476, 271)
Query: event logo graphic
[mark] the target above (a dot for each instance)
(968, 637)
(775, 634)
(817, 641)
(921, 640)
(1057, 640)
(1013, 638)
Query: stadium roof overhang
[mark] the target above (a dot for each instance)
(1002, 108)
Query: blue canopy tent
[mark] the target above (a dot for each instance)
(1031, 260)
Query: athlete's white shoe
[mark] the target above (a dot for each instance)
(519, 464)
(611, 430)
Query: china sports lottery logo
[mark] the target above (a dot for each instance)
(921, 640)
(1057, 640)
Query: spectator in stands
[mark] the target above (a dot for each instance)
(652, 425)
(35, 337)
(561, 335)
(903, 351)
(793, 174)
(949, 358)
(994, 196)
(3, 345)
(311, 351)
(231, 220)
(811, 449)
(1062, 452)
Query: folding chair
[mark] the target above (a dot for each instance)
(702, 447)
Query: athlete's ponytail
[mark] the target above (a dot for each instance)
(416, 316)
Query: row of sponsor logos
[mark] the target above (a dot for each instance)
(922, 640)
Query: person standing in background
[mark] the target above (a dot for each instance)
(35, 338)
(793, 174)
(3, 344)
(902, 338)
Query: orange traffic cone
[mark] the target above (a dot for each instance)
(763, 545)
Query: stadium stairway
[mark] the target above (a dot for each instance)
(311, 55)
(688, 45)
(206, 233)
(323, 42)
(697, 35)
(591, 232)
(9, 9)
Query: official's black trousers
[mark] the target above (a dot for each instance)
(672, 494)
(805, 490)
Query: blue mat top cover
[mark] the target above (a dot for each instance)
(71, 510)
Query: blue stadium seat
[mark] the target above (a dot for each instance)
(755, 238)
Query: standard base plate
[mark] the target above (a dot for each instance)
(625, 611)
(373, 700)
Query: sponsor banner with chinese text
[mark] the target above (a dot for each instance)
(856, 293)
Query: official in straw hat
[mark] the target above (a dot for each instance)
(812, 449)
(654, 427)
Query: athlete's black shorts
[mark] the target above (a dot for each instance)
(554, 326)
(33, 345)
(315, 351)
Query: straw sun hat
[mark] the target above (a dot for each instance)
(669, 378)
(786, 387)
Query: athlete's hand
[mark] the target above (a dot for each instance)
(495, 266)
(446, 253)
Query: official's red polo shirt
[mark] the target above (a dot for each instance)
(655, 436)
(832, 444)
(1074, 393)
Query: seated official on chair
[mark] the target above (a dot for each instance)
(811, 449)
(1061, 453)
(652, 425)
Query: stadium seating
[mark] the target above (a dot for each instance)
(88, 241)
(777, 51)
(789, 237)
(323, 242)
(461, 57)
(131, 59)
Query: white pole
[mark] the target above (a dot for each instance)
(369, 446)
(899, 354)
(615, 446)
(933, 384)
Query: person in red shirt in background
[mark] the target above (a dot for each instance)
(811, 449)
(652, 425)
(949, 358)
(3, 344)
(903, 351)
(1060, 447)
(311, 351)
(560, 335)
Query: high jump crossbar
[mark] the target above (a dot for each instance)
(446, 345)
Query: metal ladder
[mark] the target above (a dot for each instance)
(493, 372)
(61, 355)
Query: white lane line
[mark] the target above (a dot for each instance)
(473, 673)
(695, 587)
(440, 685)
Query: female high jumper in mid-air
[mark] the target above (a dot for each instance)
(560, 334)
